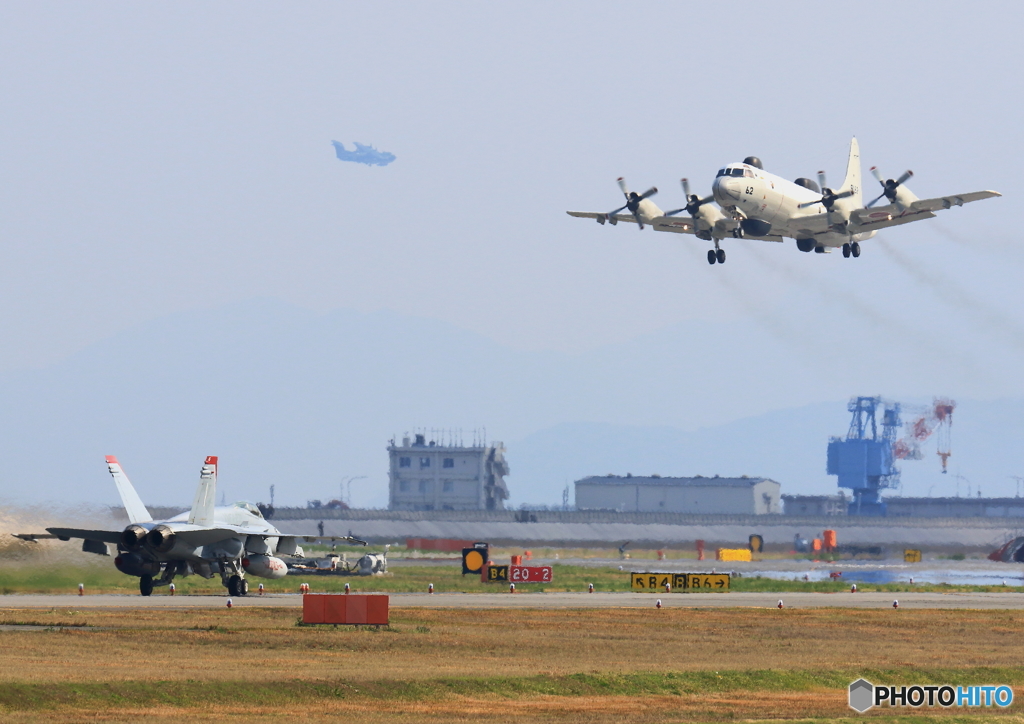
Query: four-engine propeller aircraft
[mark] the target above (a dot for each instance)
(230, 541)
(759, 205)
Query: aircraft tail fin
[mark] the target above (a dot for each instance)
(206, 494)
(133, 504)
(852, 181)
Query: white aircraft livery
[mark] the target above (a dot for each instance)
(758, 205)
(229, 541)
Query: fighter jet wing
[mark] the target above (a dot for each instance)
(33, 537)
(106, 536)
(326, 538)
(601, 218)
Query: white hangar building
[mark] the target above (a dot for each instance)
(695, 496)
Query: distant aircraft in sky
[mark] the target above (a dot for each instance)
(364, 154)
(819, 218)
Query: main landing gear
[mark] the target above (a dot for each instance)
(853, 249)
(146, 585)
(237, 586)
(716, 255)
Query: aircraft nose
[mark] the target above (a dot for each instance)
(723, 191)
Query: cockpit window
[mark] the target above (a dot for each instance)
(249, 507)
(722, 172)
(736, 172)
(747, 173)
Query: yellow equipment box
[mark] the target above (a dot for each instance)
(732, 554)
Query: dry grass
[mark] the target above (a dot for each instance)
(594, 665)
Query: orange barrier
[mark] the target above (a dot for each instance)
(830, 540)
(353, 609)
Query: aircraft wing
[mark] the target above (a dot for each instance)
(106, 536)
(675, 224)
(326, 538)
(33, 537)
(945, 202)
(882, 217)
(601, 218)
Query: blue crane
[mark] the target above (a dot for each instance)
(865, 460)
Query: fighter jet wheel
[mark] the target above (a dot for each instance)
(846, 251)
(721, 256)
(233, 585)
(243, 587)
(146, 585)
(855, 249)
(712, 257)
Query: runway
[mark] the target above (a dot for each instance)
(547, 600)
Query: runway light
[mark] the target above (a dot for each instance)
(853, 588)
(780, 603)
(668, 587)
(895, 604)
(229, 603)
(81, 589)
(1004, 581)
(658, 604)
(511, 588)
(806, 577)
(912, 580)
(430, 588)
(172, 589)
(261, 589)
(590, 588)
(304, 588)
(347, 588)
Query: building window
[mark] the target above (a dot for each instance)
(424, 484)
(424, 463)
(447, 486)
(403, 486)
(405, 462)
(449, 463)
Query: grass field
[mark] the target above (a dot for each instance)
(596, 665)
(100, 576)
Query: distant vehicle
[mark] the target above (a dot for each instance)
(363, 154)
(759, 205)
(228, 541)
(338, 565)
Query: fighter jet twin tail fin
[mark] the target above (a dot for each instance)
(202, 506)
(133, 504)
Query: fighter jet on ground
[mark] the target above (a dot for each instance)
(759, 205)
(228, 541)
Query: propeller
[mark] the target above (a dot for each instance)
(693, 202)
(828, 196)
(633, 200)
(889, 186)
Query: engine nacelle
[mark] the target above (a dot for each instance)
(806, 244)
(808, 184)
(265, 566)
(132, 564)
(133, 537)
(755, 227)
(161, 539)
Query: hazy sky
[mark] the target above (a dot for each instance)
(156, 158)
